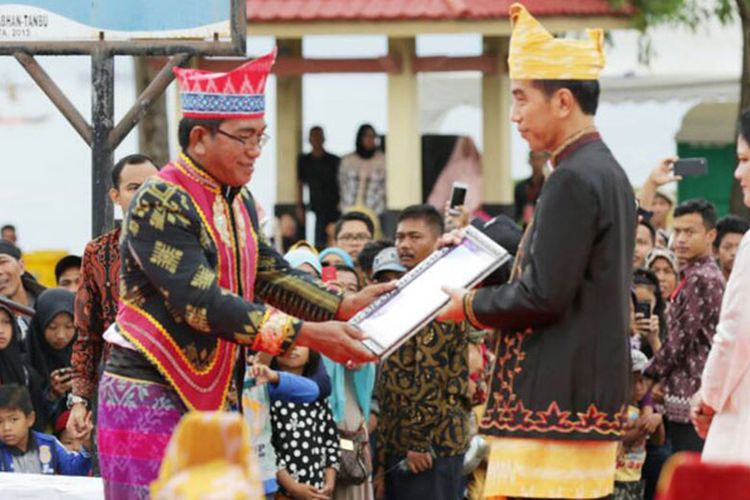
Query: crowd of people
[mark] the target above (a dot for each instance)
(418, 402)
(616, 338)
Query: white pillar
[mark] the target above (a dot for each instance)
(288, 127)
(497, 181)
(404, 145)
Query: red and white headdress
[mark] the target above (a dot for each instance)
(239, 93)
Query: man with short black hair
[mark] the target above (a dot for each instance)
(68, 272)
(319, 170)
(729, 233)
(97, 297)
(691, 320)
(416, 226)
(8, 233)
(98, 294)
(424, 422)
(352, 232)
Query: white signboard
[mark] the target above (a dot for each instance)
(115, 20)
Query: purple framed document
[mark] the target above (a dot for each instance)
(397, 316)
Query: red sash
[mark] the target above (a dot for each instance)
(203, 389)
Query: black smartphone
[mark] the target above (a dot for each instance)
(458, 194)
(691, 167)
(644, 308)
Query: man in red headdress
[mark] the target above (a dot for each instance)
(195, 269)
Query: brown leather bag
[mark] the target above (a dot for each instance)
(356, 462)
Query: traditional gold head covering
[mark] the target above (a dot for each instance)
(536, 55)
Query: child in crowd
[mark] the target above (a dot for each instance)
(14, 367)
(262, 383)
(305, 437)
(31, 452)
(68, 439)
(50, 345)
(641, 425)
(651, 325)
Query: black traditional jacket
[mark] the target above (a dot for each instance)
(562, 364)
(193, 265)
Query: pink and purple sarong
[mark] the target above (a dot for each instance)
(135, 422)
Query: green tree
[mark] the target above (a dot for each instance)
(694, 13)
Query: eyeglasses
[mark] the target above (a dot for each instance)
(249, 142)
(355, 237)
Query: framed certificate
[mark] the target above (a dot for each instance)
(397, 316)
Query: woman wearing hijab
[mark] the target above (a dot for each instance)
(351, 395)
(50, 344)
(362, 175)
(14, 369)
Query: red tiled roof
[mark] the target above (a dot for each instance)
(409, 10)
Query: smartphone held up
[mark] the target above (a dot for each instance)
(458, 197)
(691, 167)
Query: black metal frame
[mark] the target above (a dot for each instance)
(102, 135)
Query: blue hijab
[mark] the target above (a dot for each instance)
(337, 251)
(364, 382)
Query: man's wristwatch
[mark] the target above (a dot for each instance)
(73, 399)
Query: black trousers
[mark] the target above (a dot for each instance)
(442, 482)
(683, 437)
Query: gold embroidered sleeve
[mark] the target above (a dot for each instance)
(292, 291)
(164, 238)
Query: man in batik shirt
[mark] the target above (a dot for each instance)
(423, 389)
(691, 320)
(96, 299)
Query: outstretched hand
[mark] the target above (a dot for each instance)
(355, 302)
(456, 217)
(452, 238)
(339, 341)
(81, 424)
(454, 309)
(263, 374)
(701, 415)
(663, 173)
(77, 425)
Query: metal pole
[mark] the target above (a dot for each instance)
(238, 26)
(147, 97)
(102, 118)
(56, 95)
